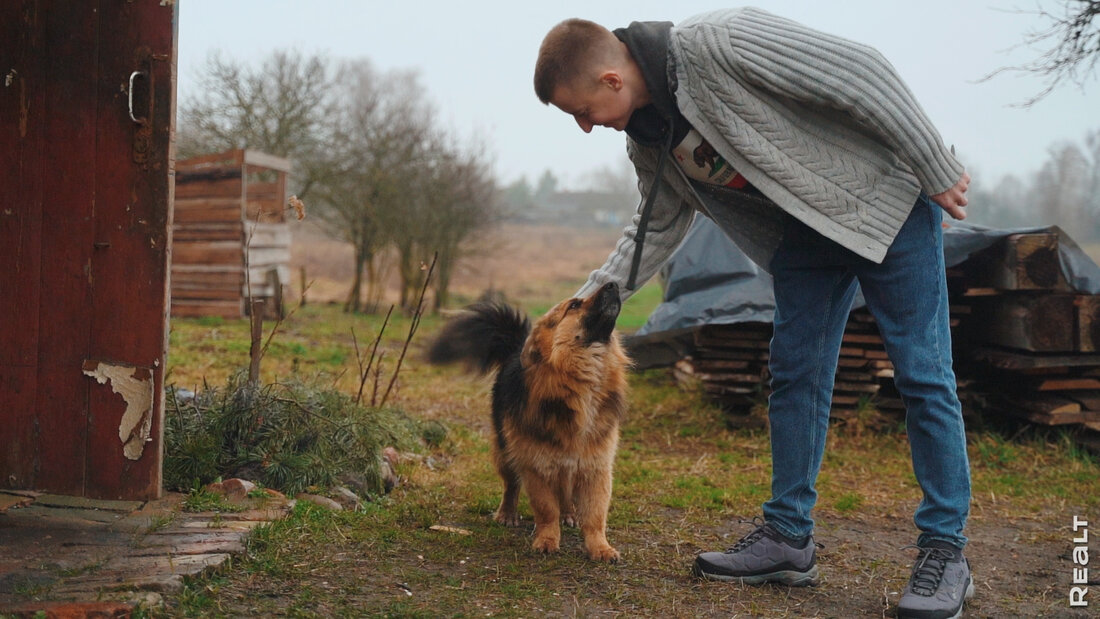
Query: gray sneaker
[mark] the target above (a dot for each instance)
(939, 584)
(765, 555)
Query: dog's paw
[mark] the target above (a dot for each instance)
(508, 519)
(546, 544)
(569, 520)
(604, 555)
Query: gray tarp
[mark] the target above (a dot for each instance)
(708, 280)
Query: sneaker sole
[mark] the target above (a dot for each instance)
(966, 596)
(809, 578)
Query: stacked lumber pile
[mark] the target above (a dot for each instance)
(730, 364)
(1025, 344)
(230, 239)
(1031, 341)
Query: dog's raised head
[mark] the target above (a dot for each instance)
(575, 330)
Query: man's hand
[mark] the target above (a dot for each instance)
(954, 200)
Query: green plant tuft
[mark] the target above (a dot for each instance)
(286, 436)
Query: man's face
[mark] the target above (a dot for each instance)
(607, 104)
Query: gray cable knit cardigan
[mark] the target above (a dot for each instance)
(822, 126)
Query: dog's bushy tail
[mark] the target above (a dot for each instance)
(484, 337)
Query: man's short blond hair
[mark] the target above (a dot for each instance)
(570, 50)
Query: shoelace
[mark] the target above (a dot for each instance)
(746, 541)
(755, 536)
(928, 571)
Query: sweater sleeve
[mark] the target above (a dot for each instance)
(807, 65)
(668, 224)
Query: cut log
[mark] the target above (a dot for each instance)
(1016, 360)
(1019, 262)
(1089, 400)
(1061, 419)
(1067, 384)
(1042, 323)
(1088, 323)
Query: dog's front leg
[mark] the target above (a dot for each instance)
(593, 497)
(544, 502)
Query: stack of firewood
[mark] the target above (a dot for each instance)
(1025, 345)
(1030, 342)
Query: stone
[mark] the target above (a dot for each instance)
(389, 477)
(391, 455)
(345, 497)
(233, 489)
(358, 483)
(323, 501)
(9, 501)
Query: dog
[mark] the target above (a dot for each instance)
(559, 395)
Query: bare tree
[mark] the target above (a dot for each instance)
(378, 140)
(1069, 45)
(1059, 189)
(461, 214)
(279, 107)
(446, 210)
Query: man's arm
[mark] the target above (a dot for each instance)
(669, 222)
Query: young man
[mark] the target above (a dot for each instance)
(814, 157)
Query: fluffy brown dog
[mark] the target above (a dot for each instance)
(558, 398)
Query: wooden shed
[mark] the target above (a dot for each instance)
(230, 236)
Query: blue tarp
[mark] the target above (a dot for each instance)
(708, 280)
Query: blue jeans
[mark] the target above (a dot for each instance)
(815, 282)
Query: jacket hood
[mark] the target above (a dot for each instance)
(648, 45)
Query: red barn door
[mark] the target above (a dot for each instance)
(87, 97)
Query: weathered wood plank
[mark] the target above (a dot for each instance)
(208, 252)
(268, 235)
(22, 108)
(132, 212)
(68, 234)
(226, 188)
(229, 231)
(234, 158)
(1038, 323)
(1020, 262)
(1088, 323)
(265, 211)
(195, 309)
(1018, 360)
(1069, 383)
(264, 160)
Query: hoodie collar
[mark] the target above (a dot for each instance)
(648, 45)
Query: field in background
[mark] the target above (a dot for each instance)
(530, 264)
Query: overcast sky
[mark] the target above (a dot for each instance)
(476, 60)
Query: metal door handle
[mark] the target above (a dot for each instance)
(133, 76)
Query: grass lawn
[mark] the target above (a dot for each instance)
(683, 482)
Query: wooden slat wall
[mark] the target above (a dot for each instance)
(22, 137)
(133, 215)
(218, 200)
